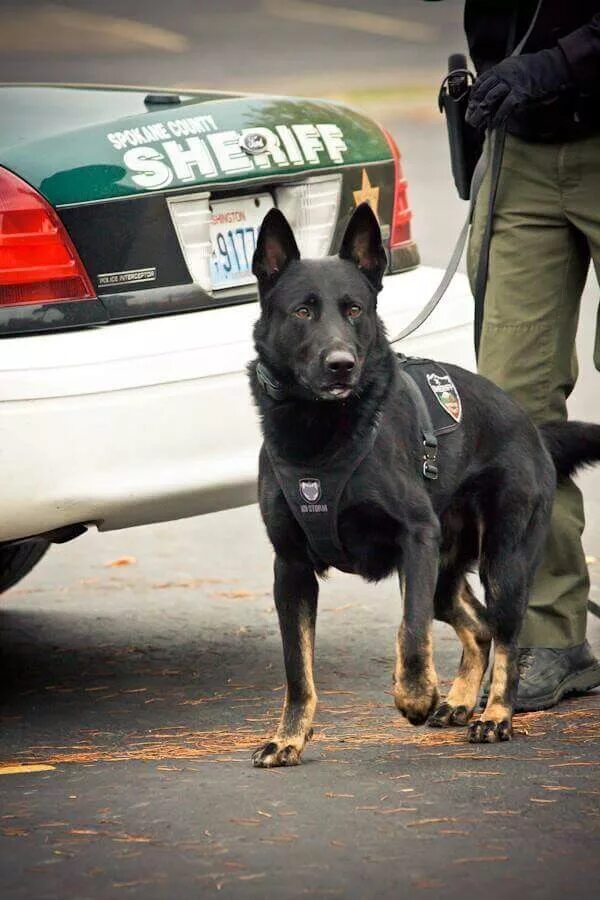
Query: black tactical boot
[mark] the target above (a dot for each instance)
(547, 675)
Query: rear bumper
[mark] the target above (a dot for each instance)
(152, 420)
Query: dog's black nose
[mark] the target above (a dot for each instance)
(340, 361)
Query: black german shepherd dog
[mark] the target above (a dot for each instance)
(325, 382)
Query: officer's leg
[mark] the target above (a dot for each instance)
(580, 165)
(537, 270)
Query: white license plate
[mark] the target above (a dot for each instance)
(234, 227)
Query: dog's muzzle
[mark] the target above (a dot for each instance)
(340, 371)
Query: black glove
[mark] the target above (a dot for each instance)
(515, 83)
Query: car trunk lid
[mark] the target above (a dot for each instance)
(206, 139)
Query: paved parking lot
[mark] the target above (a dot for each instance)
(145, 686)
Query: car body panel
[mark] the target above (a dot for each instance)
(193, 143)
(152, 420)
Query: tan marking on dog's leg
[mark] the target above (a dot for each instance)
(495, 723)
(468, 623)
(475, 638)
(468, 606)
(295, 726)
(465, 687)
(415, 688)
(497, 707)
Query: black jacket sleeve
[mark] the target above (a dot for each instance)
(582, 52)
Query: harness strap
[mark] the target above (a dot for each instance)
(313, 494)
(430, 442)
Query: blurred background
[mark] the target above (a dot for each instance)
(383, 46)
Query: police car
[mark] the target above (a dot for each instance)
(128, 220)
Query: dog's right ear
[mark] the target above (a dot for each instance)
(276, 247)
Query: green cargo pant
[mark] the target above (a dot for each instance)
(546, 228)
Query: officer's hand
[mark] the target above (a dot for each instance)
(514, 83)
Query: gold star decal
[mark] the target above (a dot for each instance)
(367, 194)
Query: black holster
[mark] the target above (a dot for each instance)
(465, 142)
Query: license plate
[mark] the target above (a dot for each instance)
(234, 226)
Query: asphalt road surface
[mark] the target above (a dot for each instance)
(144, 685)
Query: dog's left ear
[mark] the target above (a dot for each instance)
(276, 247)
(362, 244)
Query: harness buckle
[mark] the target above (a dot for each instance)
(430, 449)
(430, 470)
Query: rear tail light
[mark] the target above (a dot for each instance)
(38, 262)
(401, 213)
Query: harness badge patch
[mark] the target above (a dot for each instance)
(447, 396)
(310, 490)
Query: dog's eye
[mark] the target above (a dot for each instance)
(353, 311)
(303, 312)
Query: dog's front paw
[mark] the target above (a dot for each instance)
(416, 704)
(446, 715)
(279, 752)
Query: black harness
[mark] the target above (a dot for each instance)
(313, 492)
(435, 394)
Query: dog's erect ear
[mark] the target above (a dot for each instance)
(362, 244)
(275, 248)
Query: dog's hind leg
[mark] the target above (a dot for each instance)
(495, 723)
(296, 591)
(456, 605)
(511, 547)
(415, 679)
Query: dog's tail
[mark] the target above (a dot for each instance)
(571, 445)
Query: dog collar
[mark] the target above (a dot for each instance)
(272, 388)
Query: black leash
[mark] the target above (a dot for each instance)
(455, 258)
(496, 140)
(594, 608)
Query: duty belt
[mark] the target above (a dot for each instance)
(313, 491)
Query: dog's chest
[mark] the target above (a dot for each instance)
(313, 494)
(370, 539)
